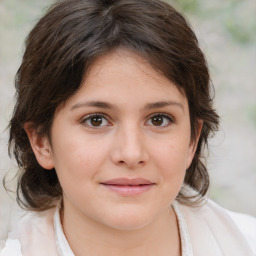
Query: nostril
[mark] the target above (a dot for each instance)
(140, 163)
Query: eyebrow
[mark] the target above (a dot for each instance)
(98, 104)
(107, 105)
(162, 104)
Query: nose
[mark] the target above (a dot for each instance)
(129, 148)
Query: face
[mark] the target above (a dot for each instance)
(121, 145)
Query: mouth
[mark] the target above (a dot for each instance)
(128, 187)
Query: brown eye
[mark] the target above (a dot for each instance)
(160, 120)
(95, 121)
(157, 120)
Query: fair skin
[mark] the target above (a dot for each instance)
(121, 168)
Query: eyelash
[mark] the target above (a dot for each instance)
(90, 116)
(162, 115)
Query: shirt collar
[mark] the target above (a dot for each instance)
(61, 241)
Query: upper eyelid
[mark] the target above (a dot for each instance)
(94, 114)
(161, 114)
(169, 117)
(88, 116)
(83, 121)
(108, 118)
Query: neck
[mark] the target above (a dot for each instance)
(87, 237)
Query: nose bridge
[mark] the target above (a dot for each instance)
(130, 145)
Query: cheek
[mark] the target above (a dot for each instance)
(172, 157)
(76, 159)
(171, 166)
(171, 162)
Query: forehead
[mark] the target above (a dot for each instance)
(128, 61)
(124, 77)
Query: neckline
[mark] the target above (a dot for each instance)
(186, 246)
(65, 250)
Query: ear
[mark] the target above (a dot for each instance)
(193, 143)
(40, 146)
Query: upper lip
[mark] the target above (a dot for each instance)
(128, 182)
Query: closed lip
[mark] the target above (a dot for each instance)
(128, 187)
(128, 182)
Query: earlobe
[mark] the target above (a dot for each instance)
(194, 143)
(40, 146)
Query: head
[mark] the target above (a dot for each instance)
(64, 46)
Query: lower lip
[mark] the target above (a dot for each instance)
(129, 190)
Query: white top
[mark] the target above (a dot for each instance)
(206, 229)
(64, 249)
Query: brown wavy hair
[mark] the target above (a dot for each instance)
(64, 44)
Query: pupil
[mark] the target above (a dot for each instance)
(96, 121)
(157, 120)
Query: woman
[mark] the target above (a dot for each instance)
(113, 112)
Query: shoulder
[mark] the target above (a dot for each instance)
(247, 225)
(231, 232)
(10, 247)
(30, 233)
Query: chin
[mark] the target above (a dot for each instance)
(129, 219)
